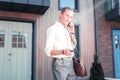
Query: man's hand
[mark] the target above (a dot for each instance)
(71, 27)
(68, 52)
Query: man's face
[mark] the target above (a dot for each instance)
(66, 17)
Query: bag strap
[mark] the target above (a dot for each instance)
(75, 48)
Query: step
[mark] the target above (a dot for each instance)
(111, 79)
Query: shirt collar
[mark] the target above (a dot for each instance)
(60, 24)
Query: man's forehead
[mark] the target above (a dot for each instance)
(68, 12)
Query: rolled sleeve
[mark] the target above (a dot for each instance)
(50, 37)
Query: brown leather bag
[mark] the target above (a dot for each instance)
(79, 67)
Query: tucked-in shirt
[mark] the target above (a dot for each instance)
(58, 38)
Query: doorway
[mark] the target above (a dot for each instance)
(15, 50)
(116, 52)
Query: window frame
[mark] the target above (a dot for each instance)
(77, 5)
(77, 39)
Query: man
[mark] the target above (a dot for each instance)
(60, 42)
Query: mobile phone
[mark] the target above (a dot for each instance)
(68, 24)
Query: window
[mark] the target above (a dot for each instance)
(115, 4)
(107, 6)
(19, 39)
(69, 3)
(2, 40)
(111, 4)
(77, 35)
(116, 41)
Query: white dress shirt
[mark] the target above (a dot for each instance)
(58, 38)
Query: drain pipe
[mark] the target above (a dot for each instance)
(96, 29)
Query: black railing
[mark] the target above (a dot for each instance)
(112, 10)
(113, 15)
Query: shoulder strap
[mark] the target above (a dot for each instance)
(75, 49)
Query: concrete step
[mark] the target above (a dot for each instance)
(111, 79)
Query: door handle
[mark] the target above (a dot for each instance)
(10, 54)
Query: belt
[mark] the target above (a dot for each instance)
(65, 58)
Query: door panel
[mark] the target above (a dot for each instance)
(17, 51)
(116, 53)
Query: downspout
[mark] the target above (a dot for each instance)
(96, 29)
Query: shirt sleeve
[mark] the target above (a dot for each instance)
(50, 39)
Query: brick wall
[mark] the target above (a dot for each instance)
(105, 40)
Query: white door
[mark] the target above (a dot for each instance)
(15, 50)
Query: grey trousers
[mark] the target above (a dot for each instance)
(62, 69)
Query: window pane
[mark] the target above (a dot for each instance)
(25, 35)
(14, 34)
(19, 39)
(1, 39)
(14, 39)
(116, 41)
(14, 45)
(115, 4)
(25, 45)
(67, 3)
(2, 33)
(20, 34)
(19, 45)
(2, 36)
(25, 38)
(77, 51)
(1, 44)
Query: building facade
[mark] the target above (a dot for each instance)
(108, 28)
(23, 25)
